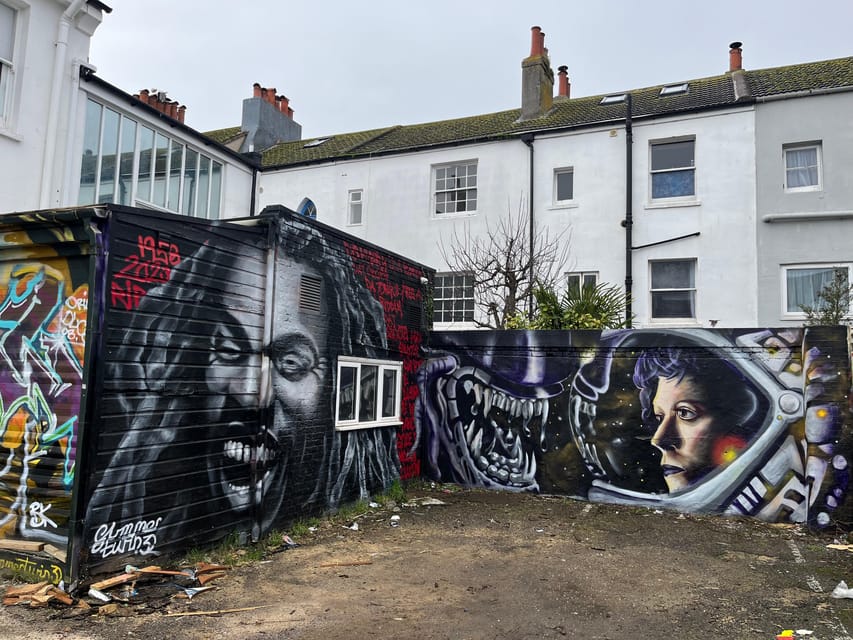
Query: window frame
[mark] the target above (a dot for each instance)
(692, 289)
(560, 171)
(435, 190)
(783, 283)
(674, 199)
(438, 302)
(382, 366)
(581, 276)
(9, 81)
(351, 204)
(802, 146)
(187, 202)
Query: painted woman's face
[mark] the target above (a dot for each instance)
(687, 431)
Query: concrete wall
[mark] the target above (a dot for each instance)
(751, 422)
(810, 227)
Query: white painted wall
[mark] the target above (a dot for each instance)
(27, 158)
(397, 204)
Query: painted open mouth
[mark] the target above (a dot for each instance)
(248, 458)
(499, 427)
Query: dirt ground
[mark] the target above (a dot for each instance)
(490, 565)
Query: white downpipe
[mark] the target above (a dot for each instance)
(59, 55)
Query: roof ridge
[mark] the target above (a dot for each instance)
(379, 135)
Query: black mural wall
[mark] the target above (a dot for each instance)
(748, 422)
(217, 381)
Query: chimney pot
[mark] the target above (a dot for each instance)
(735, 56)
(563, 72)
(256, 90)
(182, 112)
(537, 41)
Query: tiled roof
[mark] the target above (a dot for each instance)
(705, 93)
(223, 136)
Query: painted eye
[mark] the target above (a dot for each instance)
(686, 413)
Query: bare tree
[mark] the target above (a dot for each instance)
(505, 267)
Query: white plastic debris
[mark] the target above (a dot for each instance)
(353, 526)
(842, 591)
(373, 505)
(395, 521)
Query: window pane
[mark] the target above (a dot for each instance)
(455, 188)
(109, 151)
(801, 168)
(125, 173)
(389, 393)
(367, 393)
(161, 160)
(190, 178)
(589, 280)
(565, 185)
(803, 285)
(672, 155)
(176, 169)
(672, 304)
(7, 32)
(146, 151)
(91, 148)
(673, 274)
(215, 190)
(673, 184)
(203, 186)
(346, 394)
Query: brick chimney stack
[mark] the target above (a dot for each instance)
(564, 85)
(537, 79)
(267, 120)
(161, 102)
(735, 56)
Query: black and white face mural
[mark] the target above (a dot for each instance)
(222, 407)
(741, 422)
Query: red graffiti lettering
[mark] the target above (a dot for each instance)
(151, 264)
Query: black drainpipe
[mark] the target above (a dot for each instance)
(527, 139)
(629, 212)
(254, 157)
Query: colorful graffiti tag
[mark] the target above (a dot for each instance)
(43, 323)
(740, 422)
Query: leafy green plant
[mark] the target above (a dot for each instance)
(592, 307)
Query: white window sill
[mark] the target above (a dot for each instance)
(453, 326)
(809, 189)
(671, 204)
(367, 425)
(563, 205)
(674, 322)
(8, 133)
(453, 216)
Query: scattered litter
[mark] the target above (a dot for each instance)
(432, 502)
(841, 591)
(353, 526)
(35, 595)
(189, 592)
(540, 530)
(840, 547)
(217, 612)
(658, 512)
(395, 521)
(288, 541)
(373, 505)
(312, 529)
(804, 632)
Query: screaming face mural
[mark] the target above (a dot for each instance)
(217, 407)
(741, 422)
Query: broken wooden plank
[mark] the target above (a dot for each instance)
(22, 545)
(217, 611)
(56, 552)
(60, 595)
(206, 567)
(204, 578)
(26, 589)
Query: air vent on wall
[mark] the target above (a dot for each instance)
(310, 293)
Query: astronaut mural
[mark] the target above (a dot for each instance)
(747, 422)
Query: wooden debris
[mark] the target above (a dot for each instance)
(56, 552)
(217, 612)
(35, 595)
(22, 545)
(204, 578)
(108, 609)
(840, 547)
(205, 567)
(347, 564)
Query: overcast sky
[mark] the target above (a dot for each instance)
(349, 66)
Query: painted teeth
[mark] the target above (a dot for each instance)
(240, 452)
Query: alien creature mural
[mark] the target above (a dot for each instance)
(748, 422)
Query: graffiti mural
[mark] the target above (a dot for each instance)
(746, 422)
(43, 325)
(218, 399)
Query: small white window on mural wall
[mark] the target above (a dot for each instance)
(673, 289)
(453, 297)
(802, 283)
(7, 49)
(803, 167)
(455, 188)
(356, 206)
(368, 393)
(564, 185)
